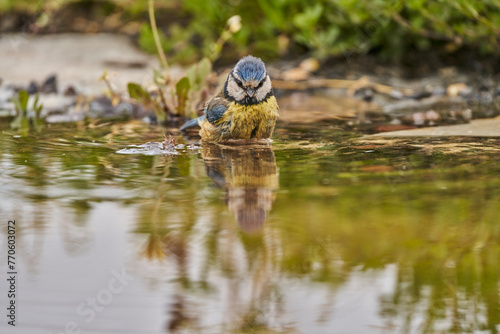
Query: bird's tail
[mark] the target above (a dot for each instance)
(192, 123)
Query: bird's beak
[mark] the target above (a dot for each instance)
(250, 91)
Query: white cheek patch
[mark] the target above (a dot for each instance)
(264, 90)
(234, 90)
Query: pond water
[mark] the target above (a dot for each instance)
(322, 232)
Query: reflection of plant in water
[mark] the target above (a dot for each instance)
(423, 218)
(154, 223)
(77, 236)
(453, 279)
(433, 213)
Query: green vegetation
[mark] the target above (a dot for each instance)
(26, 117)
(190, 30)
(183, 97)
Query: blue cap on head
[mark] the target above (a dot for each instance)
(250, 68)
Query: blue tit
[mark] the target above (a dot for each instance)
(245, 109)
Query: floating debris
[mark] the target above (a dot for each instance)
(169, 143)
(150, 148)
(167, 147)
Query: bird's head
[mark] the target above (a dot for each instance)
(248, 82)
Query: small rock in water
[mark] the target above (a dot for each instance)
(366, 93)
(496, 93)
(432, 117)
(70, 91)
(418, 118)
(458, 89)
(439, 91)
(54, 103)
(467, 114)
(421, 95)
(32, 88)
(396, 94)
(72, 114)
(100, 106)
(50, 85)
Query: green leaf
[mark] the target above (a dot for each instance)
(191, 74)
(104, 75)
(136, 91)
(273, 10)
(309, 18)
(182, 89)
(22, 98)
(37, 107)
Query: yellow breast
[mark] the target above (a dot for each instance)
(243, 122)
(252, 121)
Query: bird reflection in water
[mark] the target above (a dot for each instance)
(249, 175)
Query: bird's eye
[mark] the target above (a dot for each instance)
(238, 82)
(261, 83)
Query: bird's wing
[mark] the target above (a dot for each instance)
(215, 109)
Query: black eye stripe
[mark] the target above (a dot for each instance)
(238, 82)
(261, 83)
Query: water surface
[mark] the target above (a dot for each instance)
(322, 232)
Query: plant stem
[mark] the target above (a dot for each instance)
(166, 107)
(161, 54)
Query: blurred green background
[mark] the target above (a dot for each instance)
(393, 30)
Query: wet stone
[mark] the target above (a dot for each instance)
(72, 115)
(50, 85)
(421, 95)
(32, 88)
(102, 107)
(70, 91)
(438, 91)
(53, 103)
(366, 94)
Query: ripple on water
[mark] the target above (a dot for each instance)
(321, 231)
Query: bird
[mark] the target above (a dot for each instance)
(245, 109)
